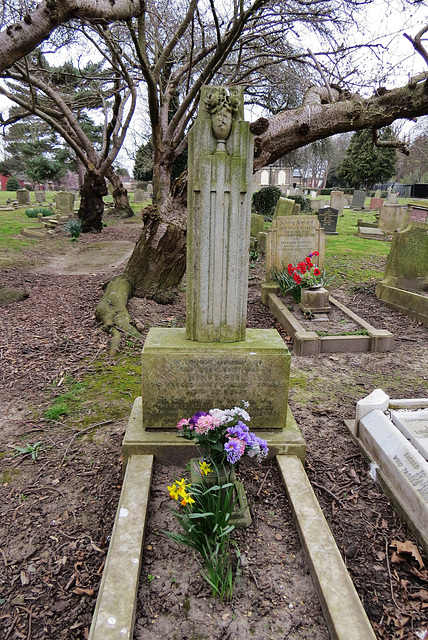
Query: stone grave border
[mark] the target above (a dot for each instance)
(371, 424)
(114, 615)
(409, 303)
(308, 343)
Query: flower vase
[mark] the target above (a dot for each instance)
(220, 474)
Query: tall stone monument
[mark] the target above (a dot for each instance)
(218, 220)
(215, 361)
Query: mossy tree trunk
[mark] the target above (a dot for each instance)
(91, 201)
(120, 195)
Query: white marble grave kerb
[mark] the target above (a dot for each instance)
(218, 220)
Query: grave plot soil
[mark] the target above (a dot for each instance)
(57, 513)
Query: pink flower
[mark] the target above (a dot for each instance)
(205, 424)
(183, 423)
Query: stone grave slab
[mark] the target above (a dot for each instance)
(327, 217)
(139, 195)
(257, 224)
(400, 467)
(23, 196)
(414, 426)
(284, 207)
(376, 203)
(64, 202)
(393, 217)
(372, 233)
(337, 200)
(316, 205)
(418, 214)
(378, 193)
(358, 199)
(291, 239)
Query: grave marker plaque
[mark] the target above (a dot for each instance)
(414, 426)
(139, 195)
(358, 199)
(327, 217)
(418, 214)
(291, 239)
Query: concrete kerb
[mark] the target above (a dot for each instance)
(307, 343)
(114, 615)
(343, 611)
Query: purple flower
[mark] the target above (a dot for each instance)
(194, 419)
(235, 448)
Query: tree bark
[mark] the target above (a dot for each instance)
(120, 195)
(91, 201)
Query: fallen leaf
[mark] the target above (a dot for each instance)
(422, 595)
(408, 547)
(79, 591)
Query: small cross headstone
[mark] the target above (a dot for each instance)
(328, 220)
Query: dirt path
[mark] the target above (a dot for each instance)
(57, 513)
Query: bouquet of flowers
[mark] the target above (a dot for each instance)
(222, 435)
(293, 279)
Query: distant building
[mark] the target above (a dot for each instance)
(277, 174)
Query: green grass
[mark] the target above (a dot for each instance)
(351, 259)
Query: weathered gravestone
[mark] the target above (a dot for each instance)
(393, 217)
(376, 203)
(40, 196)
(257, 225)
(291, 239)
(406, 273)
(413, 425)
(316, 204)
(23, 196)
(327, 217)
(215, 361)
(337, 201)
(284, 207)
(64, 202)
(149, 191)
(378, 194)
(418, 214)
(392, 198)
(139, 195)
(358, 199)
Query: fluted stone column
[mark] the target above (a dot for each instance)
(218, 219)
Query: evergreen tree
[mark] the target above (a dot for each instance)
(365, 164)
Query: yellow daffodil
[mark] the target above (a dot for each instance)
(174, 491)
(187, 499)
(205, 468)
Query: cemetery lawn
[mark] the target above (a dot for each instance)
(65, 405)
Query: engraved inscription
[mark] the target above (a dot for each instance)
(410, 468)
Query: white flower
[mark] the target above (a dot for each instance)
(219, 415)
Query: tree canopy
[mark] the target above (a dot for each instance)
(365, 164)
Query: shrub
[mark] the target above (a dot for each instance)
(34, 213)
(264, 201)
(305, 204)
(12, 184)
(74, 228)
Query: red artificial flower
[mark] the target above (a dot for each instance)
(315, 253)
(290, 269)
(297, 278)
(308, 261)
(317, 272)
(302, 267)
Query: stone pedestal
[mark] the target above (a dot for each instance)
(183, 376)
(315, 300)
